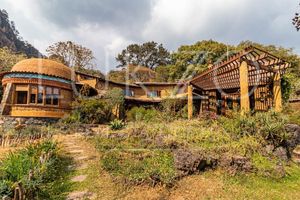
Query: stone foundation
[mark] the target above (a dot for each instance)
(4, 120)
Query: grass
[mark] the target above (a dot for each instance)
(259, 187)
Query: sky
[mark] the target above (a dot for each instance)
(108, 26)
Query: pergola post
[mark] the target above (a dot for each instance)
(277, 93)
(244, 88)
(190, 102)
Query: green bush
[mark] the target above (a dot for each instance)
(33, 168)
(96, 110)
(89, 111)
(116, 124)
(142, 114)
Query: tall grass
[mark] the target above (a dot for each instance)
(29, 172)
(10, 136)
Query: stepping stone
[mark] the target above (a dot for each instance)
(79, 195)
(82, 166)
(76, 151)
(79, 178)
(81, 158)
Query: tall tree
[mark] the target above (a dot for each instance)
(8, 59)
(189, 60)
(72, 55)
(296, 21)
(149, 54)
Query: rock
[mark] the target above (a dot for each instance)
(294, 131)
(269, 149)
(79, 195)
(281, 153)
(279, 171)
(236, 164)
(79, 178)
(187, 162)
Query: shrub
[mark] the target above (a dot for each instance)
(90, 111)
(142, 114)
(31, 168)
(96, 110)
(268, 126)
(116, 124)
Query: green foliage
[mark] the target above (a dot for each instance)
(174, 109)
(190, 60)
(8, 59)
(89, 111)
(132, 74)
(142, 114)
(268, 126)
(296, 21)
(34, 168)
(286, 88)
(95, 110)
(149, 54)
(116, 124)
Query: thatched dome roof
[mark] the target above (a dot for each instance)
(43, 66)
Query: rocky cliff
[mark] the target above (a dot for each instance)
(9, 37)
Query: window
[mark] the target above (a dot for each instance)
(128, 93)
(229, 102)
(48, 95)
(55, 96)
(33, 94)
(153, 94)
(22, 97)
(40, 95)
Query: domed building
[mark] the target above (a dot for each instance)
(37, 88)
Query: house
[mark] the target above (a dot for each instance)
(37, 88)
(44, 88)
(248, 80)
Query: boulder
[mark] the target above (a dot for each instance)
(188, 162)
(281, 153)
(294, 131)
(236, 164)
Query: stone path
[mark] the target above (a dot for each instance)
(74, 146)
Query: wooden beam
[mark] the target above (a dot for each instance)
(190, 102)
(277, 93)
(244, 88)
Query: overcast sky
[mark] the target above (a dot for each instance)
(108, 26)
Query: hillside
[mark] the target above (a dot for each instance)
(9, 37)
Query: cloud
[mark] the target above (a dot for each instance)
(108, 26)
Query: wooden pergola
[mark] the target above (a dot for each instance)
(240, 73)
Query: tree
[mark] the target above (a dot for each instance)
(296, 21)
(149, 54)
(8, 59)
(132, 74)
(72, 55)
(190, 60)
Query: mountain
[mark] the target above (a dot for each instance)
(9, 37)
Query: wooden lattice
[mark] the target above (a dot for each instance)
(225, 75)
